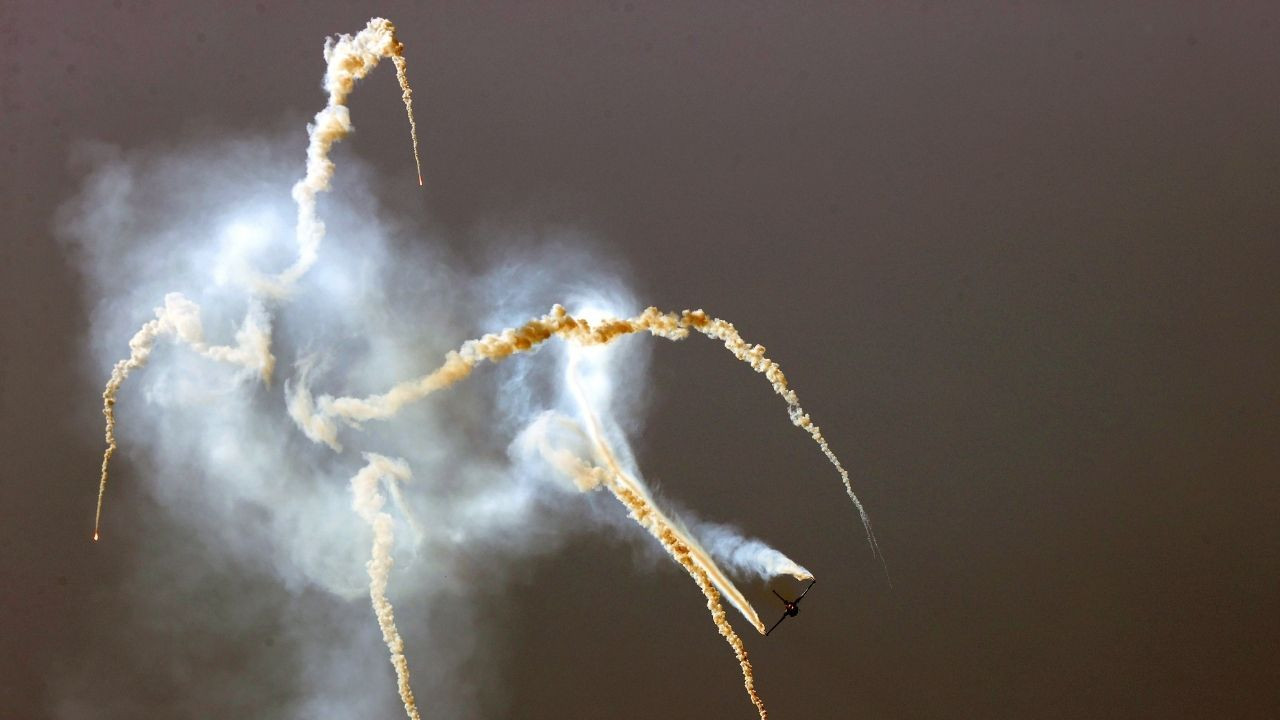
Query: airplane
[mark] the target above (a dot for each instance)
(792, 606)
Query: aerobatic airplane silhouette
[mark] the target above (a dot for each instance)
(792, 606)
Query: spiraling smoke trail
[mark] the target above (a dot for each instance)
(347, 60)
(320, 426)
(368, 502)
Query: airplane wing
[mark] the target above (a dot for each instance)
(775, 625)
(806, 590)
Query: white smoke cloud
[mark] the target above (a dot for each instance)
(227, 459)
(220, 453)
(256, 326)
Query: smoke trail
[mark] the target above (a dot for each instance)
(696, 554)
(406, 94)
(368, 502)
(745, 554)
(586, 476)
(320, 427)
(347, 60)
(398, 498)
(649, 519)
(754, 356)
(181, 317)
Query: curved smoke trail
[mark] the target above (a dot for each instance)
(319, 424)
(347, 60)
(350, 58)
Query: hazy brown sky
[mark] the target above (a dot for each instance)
(1019, 259)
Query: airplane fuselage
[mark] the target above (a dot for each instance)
(790, 608)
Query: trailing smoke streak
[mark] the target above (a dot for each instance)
(586, 476)
(181, 318)
(406, 94)
(398, 498)
(368, 502)
(458, 364)
(732, 550)
(605, 454)
(754, 356)
(347, 60)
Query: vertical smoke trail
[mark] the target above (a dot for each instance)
(181, 317)
(368, 502)
(398, 498)
(406, 94)
(347, 60)
(320, 426)
(139, 350)
(746, 555)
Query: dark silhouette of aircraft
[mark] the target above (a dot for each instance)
(792, 606)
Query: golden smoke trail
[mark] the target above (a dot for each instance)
(181, 318)
(348, 59)
(406, 94)
(643, 512)
(754, 356)
(368, 502)
(691, 556)
(320, 427)
(695, 552)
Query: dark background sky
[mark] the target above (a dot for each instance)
(1019, 259)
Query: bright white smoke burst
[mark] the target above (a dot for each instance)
(315, 370)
